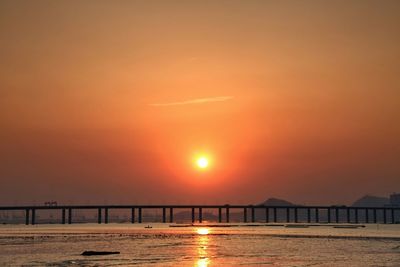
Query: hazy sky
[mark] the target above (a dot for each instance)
(109, 101)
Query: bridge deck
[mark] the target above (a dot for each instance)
(292, 214)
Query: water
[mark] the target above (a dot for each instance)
(61, 245)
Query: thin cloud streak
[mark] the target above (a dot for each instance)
(194, 101)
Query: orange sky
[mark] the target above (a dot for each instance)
(108, 101)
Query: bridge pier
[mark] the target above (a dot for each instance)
(288, 215)
(219, 215)
(63, 216)
(392, 215)
(69, 216)
(200, 215)
(164, 215)
(316, 215)
(99, 215)
(253, 215)
(227, 214)
(27, 216)
(275, 217)
(348, 215)
(374, 215)
(193, 215)
(132, 215)
(356, 214)
(106, 215)
(329, 215)
(139, 215)
(308, 215)
(245, 215)
(171, 215)
(384, 216)
(336, 215)
(33, 217)
(266, 215)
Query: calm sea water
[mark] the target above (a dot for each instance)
(58, 245)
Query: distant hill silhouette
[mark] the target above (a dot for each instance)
(371, 201)
(277, 202)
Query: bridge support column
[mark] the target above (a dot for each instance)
(296, 218)
(366, 215)
(267, 215)
(219, 215)
(245, 215)
(106, 215)
(336, 215)
(308, 215)
(329, 215)
(356, 214)
(384, 216)
(99, 215)
(171, 215)
(348, 215)
(392, 215)
(200, 215)
(69, 216)
(227, 214)
(253, 215)
(316, 215)
(287, 214)
(275, 215)
(63, 216)
(27, 216)
(374, 215)
(140, 215)
(33, 216)
(193, 215)
(164, 215)
(132, 215)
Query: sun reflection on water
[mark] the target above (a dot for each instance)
(203, 231)
(202, 246)
(202, 262)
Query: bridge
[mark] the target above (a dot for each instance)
(249, 213)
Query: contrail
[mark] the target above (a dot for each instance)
(194, 101)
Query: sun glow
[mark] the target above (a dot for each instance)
(202, 162)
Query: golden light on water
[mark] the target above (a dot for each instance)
(203, 240)
(203, 231)
(202, 262)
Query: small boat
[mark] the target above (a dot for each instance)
(98, 253)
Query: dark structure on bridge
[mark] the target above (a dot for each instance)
(257, 213)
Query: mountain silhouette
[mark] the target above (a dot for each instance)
(277, 202)
(371, 201)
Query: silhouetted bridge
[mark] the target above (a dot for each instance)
(248, 213)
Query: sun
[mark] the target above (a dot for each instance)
(202, 162)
